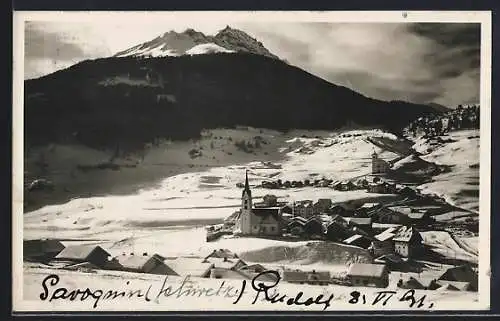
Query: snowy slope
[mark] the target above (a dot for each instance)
(197, 197)
(460, 151)
(207, 48)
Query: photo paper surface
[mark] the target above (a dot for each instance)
(251, 161)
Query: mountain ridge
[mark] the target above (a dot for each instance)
(132, 101)
(172, 43)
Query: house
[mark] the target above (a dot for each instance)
(296, 227)
(341, 209)
(314, 226)
(42, 250)
(393, 261)
(257, 221)
(322, 205)
(254, 268)
(363, 183)
(295, 276)
(364, 274)
(456, 286)
(411, 283)
(144, 264)
(222, 253)
(364, 223)
(390, 216)
(222, 273)
(226, 263)
(346, 186)
(462, 273)
(378, 188)
(383, 243)
(379, 166)
(407, 241)
(370, 206)
(335, 231)
(303, 208)
(190, 266)
(302, 277)
(358, 240)
(421, 219)
(84, 253)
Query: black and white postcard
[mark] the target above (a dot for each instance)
(251, 161)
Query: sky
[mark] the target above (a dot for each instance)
(415, 62)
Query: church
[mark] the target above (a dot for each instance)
(379, 166)
(257, 220)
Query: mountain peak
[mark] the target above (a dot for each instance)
(172, 43)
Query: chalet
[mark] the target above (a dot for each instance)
(363, 274)
(222, 253)
(421, 219)
(84, 253)
(341, 209)
(383, 243)
(41, 250)
(286, 218)
(393, 261)
(378, 188)
(363, 183)
(407, 242)
(287, 208)
(302, 277)
(359, 241)
(463, 273)
(411, 283)
(223, 273)
(226, 263)
(254, 268)
(370, 206)
(346, 186)
(322, 205)
(144, 264)
(362, 222)
(190, 266)
(379, 166)
(456, 286)
(303, 208)
(296, 227)
(314, 226)
(390, 216)
(257, 221)
(335, 231)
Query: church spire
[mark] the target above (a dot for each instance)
(246, 190)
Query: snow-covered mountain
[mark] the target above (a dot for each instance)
(192, 42)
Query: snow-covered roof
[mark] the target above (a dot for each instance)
(366, 270)
(194, 266)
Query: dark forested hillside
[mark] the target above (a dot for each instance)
(132, 101)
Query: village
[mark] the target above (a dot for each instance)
(388, 230)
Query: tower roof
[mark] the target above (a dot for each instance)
(246, 190)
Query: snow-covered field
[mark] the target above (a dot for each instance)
(179, 195)
(444, 244)
(192, 295)
(205, 197)
(460, 186)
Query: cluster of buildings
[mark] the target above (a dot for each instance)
(378, 165)
(321, 218)
(223, 264)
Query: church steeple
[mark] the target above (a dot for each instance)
(246, 190)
